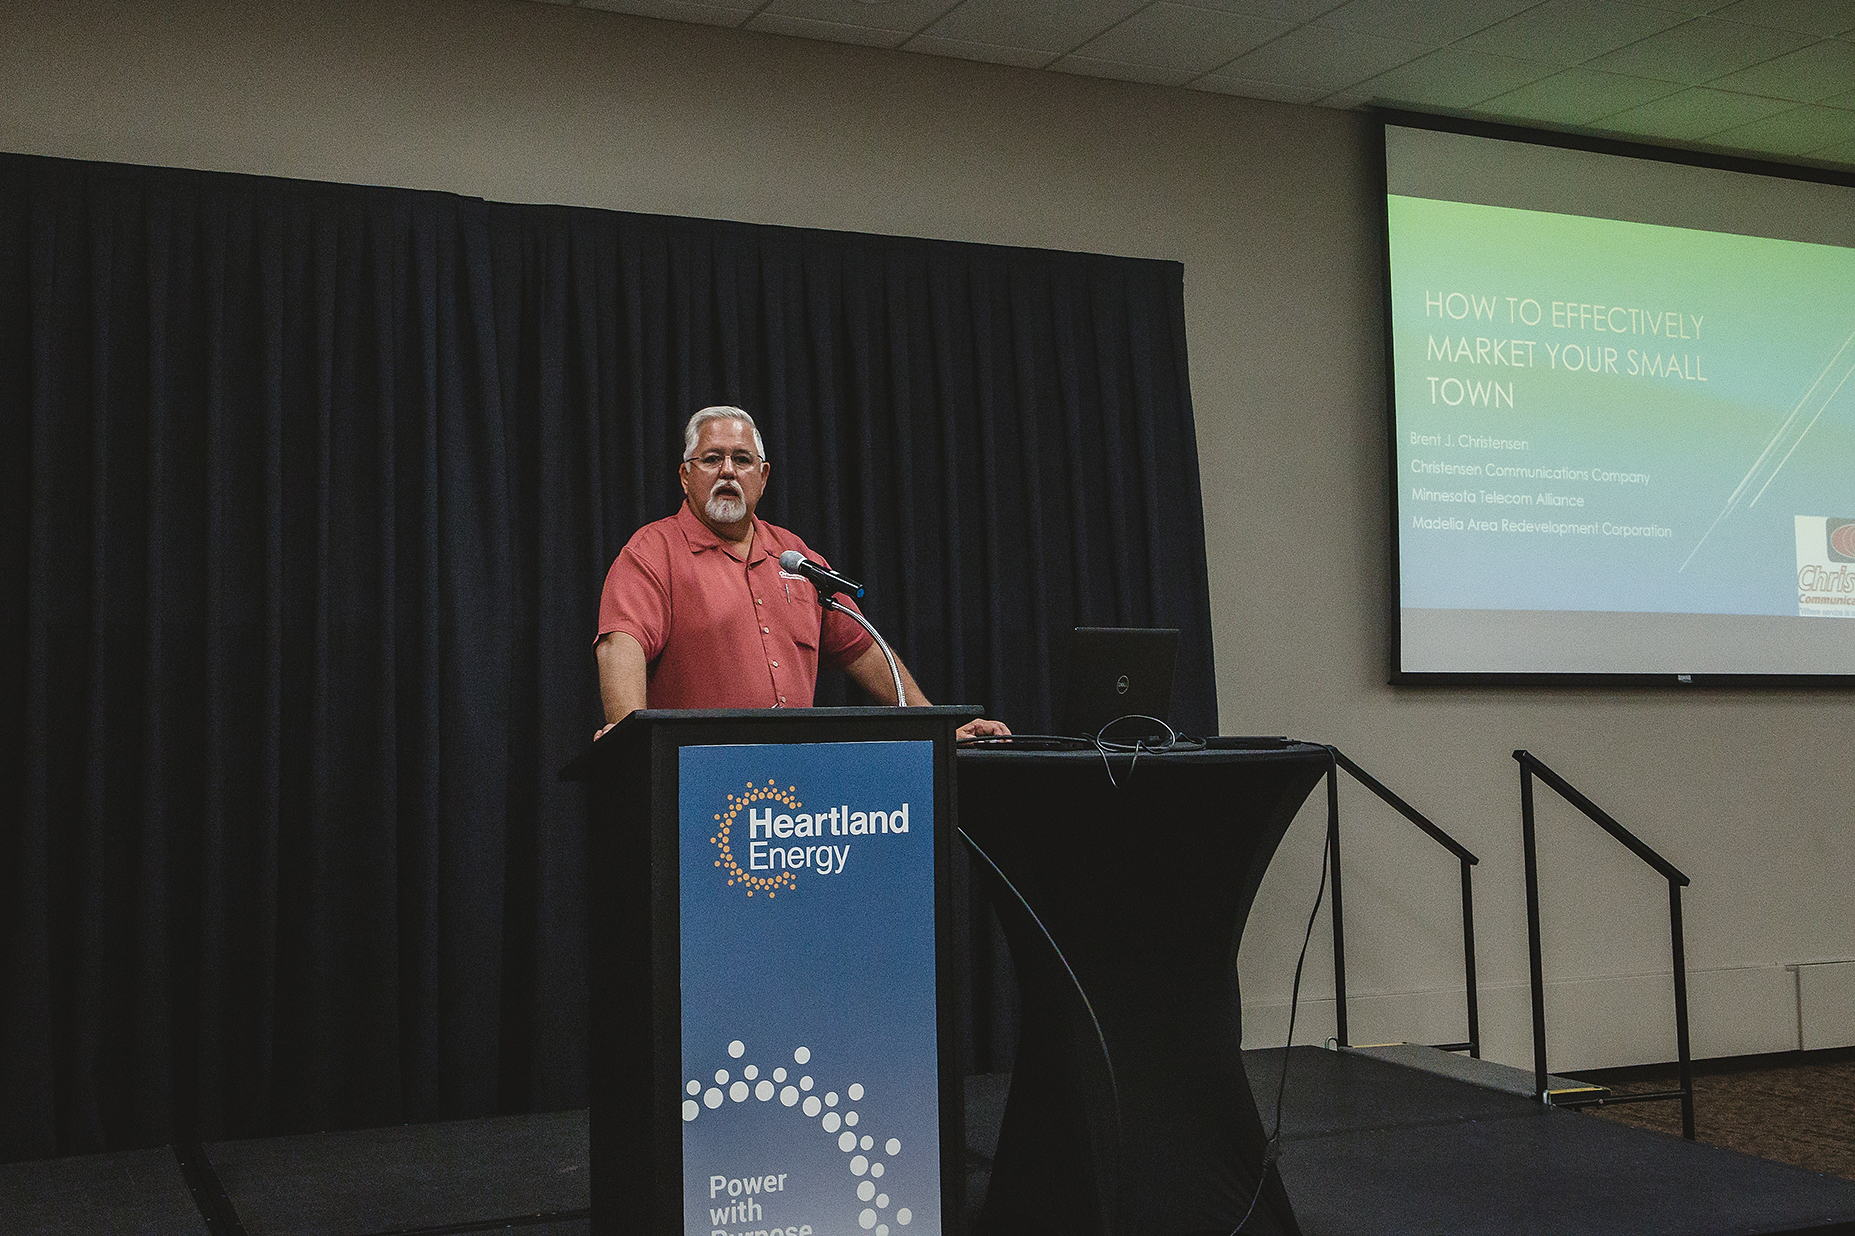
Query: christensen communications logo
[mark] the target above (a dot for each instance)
(1841, 535)
(783, 838)
(1825, 567)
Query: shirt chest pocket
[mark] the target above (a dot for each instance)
(803, 614)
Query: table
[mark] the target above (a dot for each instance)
(1123, 902)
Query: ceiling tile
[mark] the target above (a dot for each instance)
(912, 16)
(1423, 21)
(1691, 115)
(1796, 132)
(1807, 75)
(1841, 152)
(1577, 96)
(830, 31)
(1570, 31)
(1825, 17)
(1451, 78)
(1175, 36)
(719, 14)
(1051, 27)
(1282, 10)
(1322, 58)
(962, 49)
(1277, 91)
(1350, 99)
(1091, 66)
(1699, 51)
(1693, 8)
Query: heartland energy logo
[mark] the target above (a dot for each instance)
(783, 838)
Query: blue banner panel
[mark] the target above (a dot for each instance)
(811, 1076)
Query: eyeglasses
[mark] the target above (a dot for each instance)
(744, 461)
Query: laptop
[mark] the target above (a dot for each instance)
(1117, 672)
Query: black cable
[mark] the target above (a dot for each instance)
(1272, 1149)
(1174, 742)
(1102, 748)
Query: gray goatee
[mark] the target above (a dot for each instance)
(725, 508)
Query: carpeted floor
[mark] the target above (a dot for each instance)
(1803, 1114)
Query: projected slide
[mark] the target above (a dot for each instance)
(1621, 446)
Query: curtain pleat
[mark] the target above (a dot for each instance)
(306, 496)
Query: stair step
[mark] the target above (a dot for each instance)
(1559, 1090)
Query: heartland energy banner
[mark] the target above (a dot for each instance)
(811, 1076)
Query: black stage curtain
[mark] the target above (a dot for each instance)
(309, 491)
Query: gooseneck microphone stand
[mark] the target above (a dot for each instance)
(829, 601)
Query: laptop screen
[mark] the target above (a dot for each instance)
(1116, 672)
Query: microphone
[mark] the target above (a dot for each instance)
(828, 582)
(823, 578)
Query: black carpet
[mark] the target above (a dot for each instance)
(1368, 1147)
(528, 1170)
(135, 1193)
(1796, 1108)
(1372, 1147)
(1339, 1092)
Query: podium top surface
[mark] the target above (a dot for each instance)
(660, 716)
(648, 719)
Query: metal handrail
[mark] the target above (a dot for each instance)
(1463, 856)
(1531, 767)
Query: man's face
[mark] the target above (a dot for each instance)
(718, 488)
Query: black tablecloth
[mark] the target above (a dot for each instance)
(1129, 1109)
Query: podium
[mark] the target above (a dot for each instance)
(773, 977)
(1122, 888)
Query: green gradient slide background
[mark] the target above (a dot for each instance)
(1773, 313)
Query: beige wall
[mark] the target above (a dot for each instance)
(1271, 210)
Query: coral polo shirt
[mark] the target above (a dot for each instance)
(718, 632)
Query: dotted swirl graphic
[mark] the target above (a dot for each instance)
(770, 792)
(861, 1146)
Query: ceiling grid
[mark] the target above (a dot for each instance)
(1769, 78)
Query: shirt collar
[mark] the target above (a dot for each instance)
(700, 536)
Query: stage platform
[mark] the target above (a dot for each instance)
(1369, 1146)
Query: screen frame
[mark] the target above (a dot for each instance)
(1397, 676)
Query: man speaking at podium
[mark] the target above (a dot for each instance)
(698, 613)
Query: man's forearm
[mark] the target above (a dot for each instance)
(871, 672)
(622, 675)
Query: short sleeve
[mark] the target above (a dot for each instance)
(636, 598)
(842, 640)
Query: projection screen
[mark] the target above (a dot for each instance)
(1622, 416)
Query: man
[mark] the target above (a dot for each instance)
(697, 613)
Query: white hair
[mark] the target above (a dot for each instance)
(718, 412)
